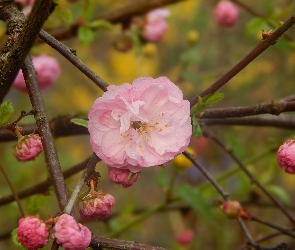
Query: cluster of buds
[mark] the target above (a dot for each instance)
(33, 233)
(95, 203)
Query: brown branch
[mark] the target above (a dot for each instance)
(51, 157)
(68, 54)
(261, 47)
(21, 39)
(43, 186)
(272, 108)
(98, 243)
(283, 121)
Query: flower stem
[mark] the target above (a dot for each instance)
(12, 190)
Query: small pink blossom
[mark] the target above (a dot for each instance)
(47, 70)
(286, 156)
(96, 205)
(226, 13)
(28, 147)
(185, 236)
(122, 176)
(155, 25)
(70, 234)
(140, 125)
(32, 233)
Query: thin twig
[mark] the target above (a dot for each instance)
(250, 176)
(261, 47)
(221, 192)
(90, 168)
(68, 54)
(52, 161)
(16, 198)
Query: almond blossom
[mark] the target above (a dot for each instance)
(140, 125)
(226, 13)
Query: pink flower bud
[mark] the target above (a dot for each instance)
(226, 13)
(32, 233)
(155, 25)
(28, 147)
(96, 205)
(122, 176)
(185, 236)
(47, 70)
(70, 234)
(286, 156)
(232, 209)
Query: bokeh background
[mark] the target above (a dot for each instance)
(194, 53)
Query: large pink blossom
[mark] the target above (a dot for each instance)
(32, 233)
(47, 71)
(226, 13)
(286, 156)
(155, 25)
(70, 234)
(140, 125)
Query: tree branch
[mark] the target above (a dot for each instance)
(21, 39)
(51, 157)
(261, 47)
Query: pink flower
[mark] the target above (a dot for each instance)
(155, 25)
(226, 13)
(47, 71)
(122, 176)
(28, 147)
(32, 233)
(286, 156)
(70, 234)
(140, 125)
(96, 205)
(185, 236)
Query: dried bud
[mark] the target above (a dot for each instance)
(96, 204)
(70, 234)
(28, 147)
(123, 176)
(32, 233)
(123, 42)
(232, 209)
(286, 156)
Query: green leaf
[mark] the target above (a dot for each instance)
(6, 110)
(255, 25)
(197, 130)
(15, 241)
(80, 122)
(198, 108)
(85, 35)
(37, 203)
(212, 98)
(280, 192)
(196, 201)
(100, 25)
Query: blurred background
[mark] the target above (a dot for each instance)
(194, 52)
